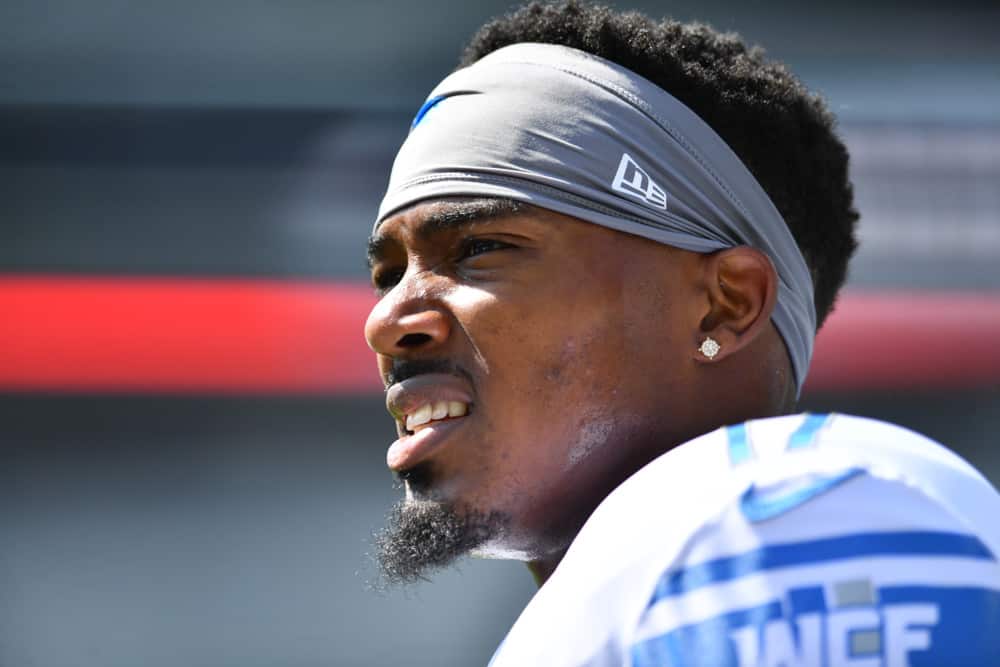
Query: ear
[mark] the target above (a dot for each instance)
(741, 287)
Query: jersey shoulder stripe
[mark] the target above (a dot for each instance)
(859, 545)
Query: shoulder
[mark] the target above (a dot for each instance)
(769, 467)
(848, 539)
(763, 523)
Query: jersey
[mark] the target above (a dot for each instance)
(799, 541)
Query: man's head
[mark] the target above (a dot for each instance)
(566, 352)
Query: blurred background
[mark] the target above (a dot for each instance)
(192, 431)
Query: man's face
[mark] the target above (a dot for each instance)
(552, 353)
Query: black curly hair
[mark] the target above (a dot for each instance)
(783, 133)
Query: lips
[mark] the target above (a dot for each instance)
(428, 408)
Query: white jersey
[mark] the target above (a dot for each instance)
(801, 541)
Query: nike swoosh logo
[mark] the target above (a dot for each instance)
(761, 506)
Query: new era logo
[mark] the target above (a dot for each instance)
(634, 182)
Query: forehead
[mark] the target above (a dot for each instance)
(428, 222)
(426, 219)
(442, 214)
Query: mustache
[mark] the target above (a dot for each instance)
(403, 369)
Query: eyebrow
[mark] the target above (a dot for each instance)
(451, 216)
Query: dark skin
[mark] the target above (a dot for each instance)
(577, 349)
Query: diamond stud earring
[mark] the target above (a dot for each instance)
(710, 347)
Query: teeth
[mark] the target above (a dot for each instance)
(419, 418)
(430, 412)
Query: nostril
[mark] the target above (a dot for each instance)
(413, 340)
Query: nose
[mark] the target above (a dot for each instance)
(403, 322)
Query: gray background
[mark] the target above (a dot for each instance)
(253, 139)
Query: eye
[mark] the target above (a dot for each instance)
(480, 246)
(385, 279)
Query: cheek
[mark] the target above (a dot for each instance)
(571, 396)
(553, 372)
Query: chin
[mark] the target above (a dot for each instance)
(495, 549)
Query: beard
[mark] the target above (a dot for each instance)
(422, 536)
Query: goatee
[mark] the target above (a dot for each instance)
(422, 536)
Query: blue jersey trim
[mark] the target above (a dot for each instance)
(859, 545)
(757, 506)
(806, 433)
(739, 444)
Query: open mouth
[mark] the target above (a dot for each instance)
(429, 409)
(428, 413)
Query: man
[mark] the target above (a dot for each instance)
(605, 237)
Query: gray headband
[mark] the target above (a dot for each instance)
(574, 133)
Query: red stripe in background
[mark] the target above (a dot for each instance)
(180, 335)
(246, 336)
(909, 340)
